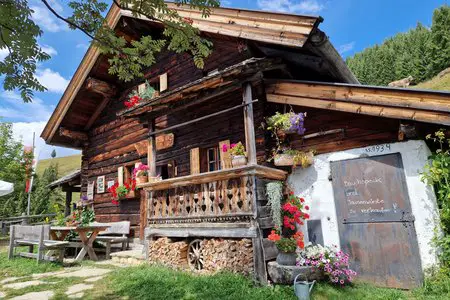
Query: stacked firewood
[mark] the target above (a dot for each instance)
(169, 253)
(226, 254)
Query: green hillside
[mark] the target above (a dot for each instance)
(66, 164)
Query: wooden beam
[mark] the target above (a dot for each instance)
(256, 170)
(73, 135)
(153, 133)
(101, 87)
(440, 118)
(151, 155)
(68, 204)
(106, 90)
(97, 113)
(250, 140)
(410, 99)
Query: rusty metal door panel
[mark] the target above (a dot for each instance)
(376, 226)
(381, 253)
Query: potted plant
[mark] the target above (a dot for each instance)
(290, 157)
(288, 123)
(286, 237)
(238, 155)
(120, 192)
(136, 97)
(287, 247)
(140, 173)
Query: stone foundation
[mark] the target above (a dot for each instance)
(219, 254)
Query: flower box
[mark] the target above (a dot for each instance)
(238, 160)
(303, 159)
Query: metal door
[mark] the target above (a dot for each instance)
(376, 226)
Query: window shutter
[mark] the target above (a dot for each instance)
(120, 175)
(225, 157)
(195, 161)
(163, 82)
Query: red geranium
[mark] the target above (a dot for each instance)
(133, 101)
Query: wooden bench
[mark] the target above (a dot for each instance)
(35, 236)
(117, 233)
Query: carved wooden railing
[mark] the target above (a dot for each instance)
(227, 195)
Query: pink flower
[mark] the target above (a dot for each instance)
(232, 146)
(224, 148)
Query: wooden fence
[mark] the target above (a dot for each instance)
(5, 223)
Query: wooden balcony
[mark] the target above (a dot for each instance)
(220, 196)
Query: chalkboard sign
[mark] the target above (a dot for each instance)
(370, 189)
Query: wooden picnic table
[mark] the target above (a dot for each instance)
(60, 232)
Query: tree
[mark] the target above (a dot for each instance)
(421, 52)
(13, 168)
(43, 198)
(53, 155)
(19, 34)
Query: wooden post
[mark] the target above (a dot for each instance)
(68, 203)
(151, 151)
(250, 141)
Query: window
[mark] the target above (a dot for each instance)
(213, 158)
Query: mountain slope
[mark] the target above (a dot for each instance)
(66, 164)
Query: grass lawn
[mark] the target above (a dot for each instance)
(22, 266)
(151, 282)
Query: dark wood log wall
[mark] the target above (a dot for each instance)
(112, 139)
(359, 130)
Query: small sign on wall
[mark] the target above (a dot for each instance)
(90, 190)
(110, 183)
(101, 184)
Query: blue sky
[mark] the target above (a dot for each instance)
(352, 25)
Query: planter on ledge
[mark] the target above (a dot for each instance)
(285, 274)
(286, 258)
(238, 161)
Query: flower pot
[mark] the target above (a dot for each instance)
(141, 179)
(239, 161)
(284, 160)
(287, 258)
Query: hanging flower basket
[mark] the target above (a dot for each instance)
(294, 158)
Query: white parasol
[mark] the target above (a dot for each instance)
(6, 188)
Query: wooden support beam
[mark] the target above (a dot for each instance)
(151, 155)
(153, 133)
(73, 135)
(106, 90)
(97, 86)
(250, 140)
(68, 204)
(440, 118)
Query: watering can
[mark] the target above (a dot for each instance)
(303, 289)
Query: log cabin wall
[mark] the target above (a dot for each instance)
(357, 130)
(112, 139)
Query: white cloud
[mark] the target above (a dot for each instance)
(13, 107)
(44, 18)
(52, 80)
(49, 50)
(23, 131)
(346, 47)
(3, 53)
(291, 6)
(82, 46)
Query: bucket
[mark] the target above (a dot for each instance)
(303, 289)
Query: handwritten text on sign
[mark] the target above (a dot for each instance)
(374, 185)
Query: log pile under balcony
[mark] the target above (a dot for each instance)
(169, 253)
(226, 254)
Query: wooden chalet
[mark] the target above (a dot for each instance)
(262, 62)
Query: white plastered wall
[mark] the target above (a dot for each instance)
(314, 185)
